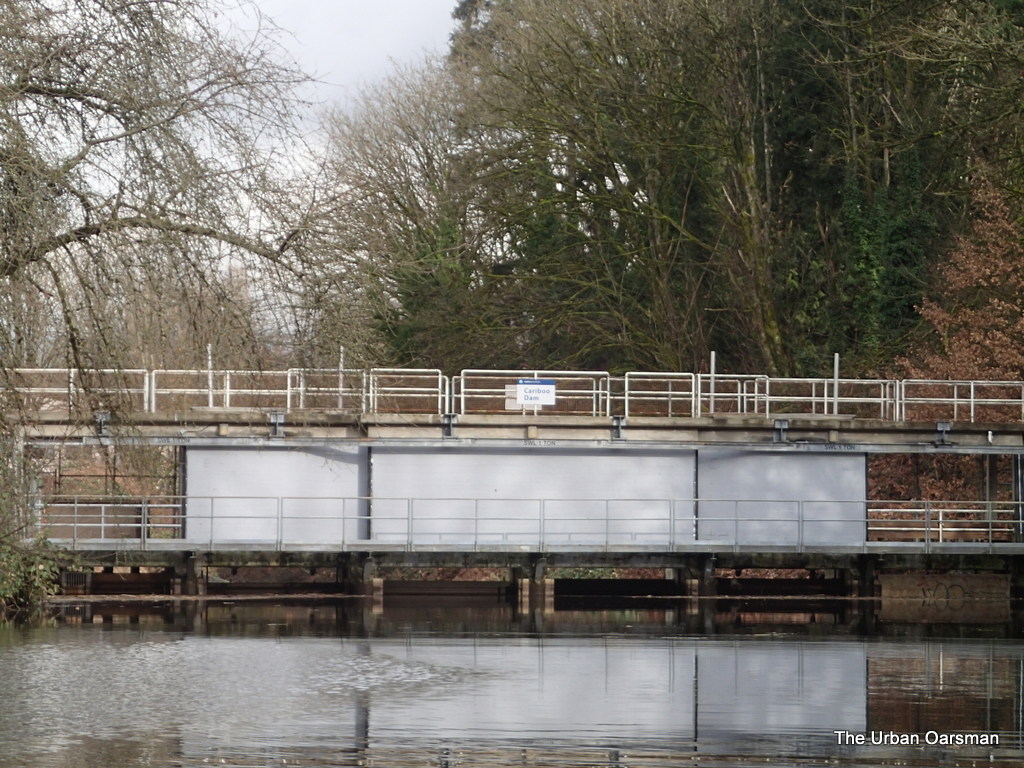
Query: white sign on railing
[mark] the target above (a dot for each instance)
(534, 392)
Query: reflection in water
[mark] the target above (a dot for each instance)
(334, 683)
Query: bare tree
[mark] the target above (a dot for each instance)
(142, 170)
(404, 244)
(137, 149)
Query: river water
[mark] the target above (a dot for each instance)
(443, 683)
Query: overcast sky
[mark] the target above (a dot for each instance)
(347, 43)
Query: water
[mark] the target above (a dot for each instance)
(446, 684)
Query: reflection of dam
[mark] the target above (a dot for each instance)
(678, 693)
(282, 696)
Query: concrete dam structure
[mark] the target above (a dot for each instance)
(524, 469)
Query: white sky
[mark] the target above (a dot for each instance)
(348, 43)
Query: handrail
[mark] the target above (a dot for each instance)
(294, 523)
(580, 393)
(479, 391)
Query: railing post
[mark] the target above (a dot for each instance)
(543, 514)
(711, 385)
(607, 524)
(227, 389)
(408, 524)
(672, 524)
(144, 520)
(927, 526)
(280, 523)
(835, 385)
(209, 375)
(800, 526)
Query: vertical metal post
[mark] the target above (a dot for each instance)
(209, 375)
(280, 523)
(711, 385)
(227, 389)
(835, 385)
(1018, 497)
(408, 523)
(800, 526)
(541, 513)
(341, 376)
(607, 524)
(144, 520)
(927, 526)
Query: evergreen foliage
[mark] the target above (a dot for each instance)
(645, 182)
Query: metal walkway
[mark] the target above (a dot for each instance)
(366, 524)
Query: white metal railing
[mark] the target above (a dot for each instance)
(407, 390)
(579, 393)
(477, 524)
(479, 391)
(921, 399)
(659, 394)
(326, 388)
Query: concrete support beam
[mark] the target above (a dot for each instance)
(189, 575)
(866, 575)
(357, 574)
(708, 586)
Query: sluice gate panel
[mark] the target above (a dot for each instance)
(521, 499)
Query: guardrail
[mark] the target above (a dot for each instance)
(517, 525)
(578, 393)
(477, 391)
